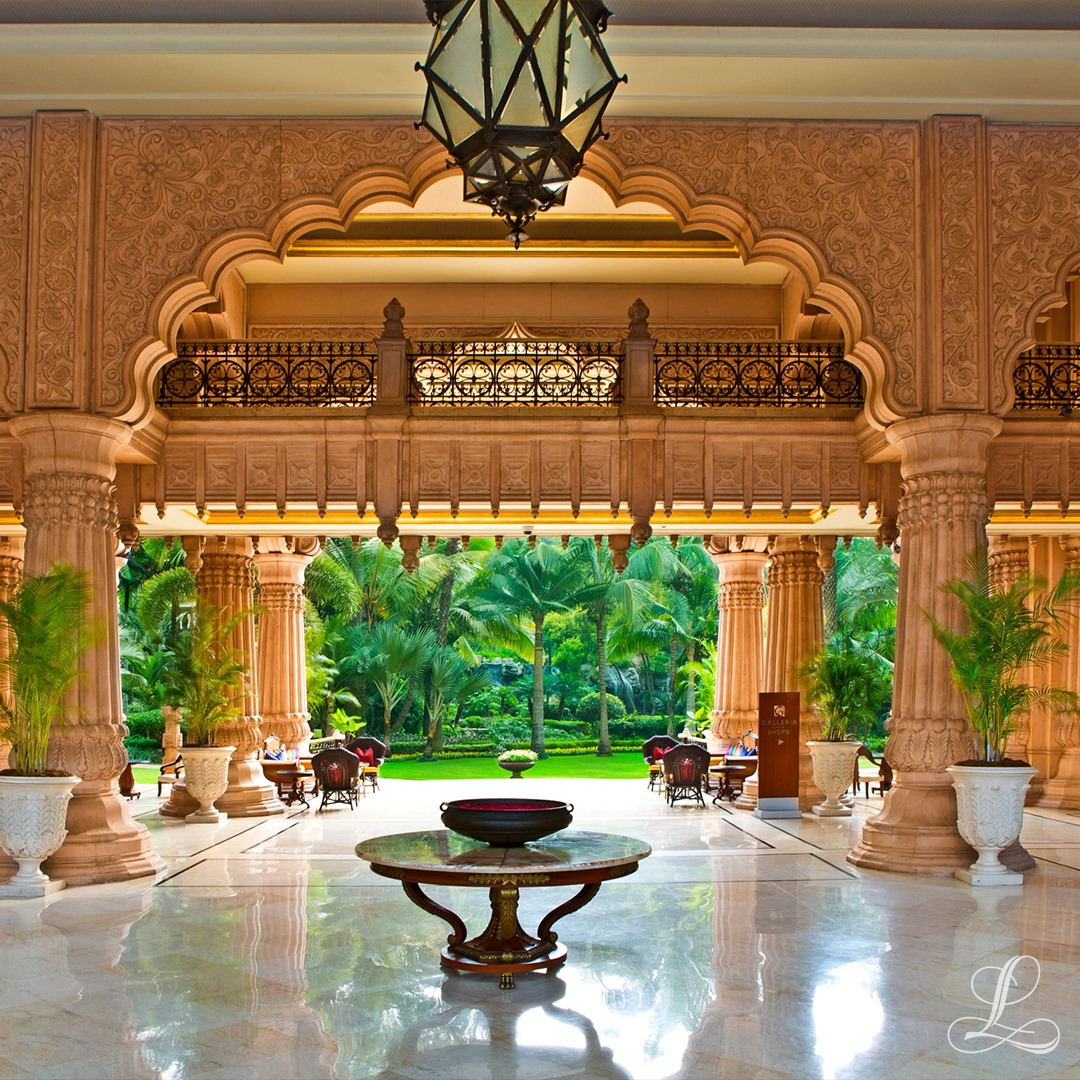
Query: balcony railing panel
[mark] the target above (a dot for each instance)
(755, 374)
(1048, 377)
(270, 373)
(512, 372)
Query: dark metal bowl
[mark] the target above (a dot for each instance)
(506, 822)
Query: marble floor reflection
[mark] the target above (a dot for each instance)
(740, 949)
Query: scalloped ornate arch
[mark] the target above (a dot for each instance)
(1035, 207)
(185, 201)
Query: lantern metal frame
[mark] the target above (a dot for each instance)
(518, 127)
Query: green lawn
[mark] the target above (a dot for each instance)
(620, 766)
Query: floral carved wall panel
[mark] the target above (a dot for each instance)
(1035, 208)
(58, 346)
(849, 188)
(958, 147)
(14, 197)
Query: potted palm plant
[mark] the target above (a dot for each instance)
(847, 684)
(205, 677)
(1007, 634)
(48, 628)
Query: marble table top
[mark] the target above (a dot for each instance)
(441, 849)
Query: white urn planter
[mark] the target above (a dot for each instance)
(990, 815)
(33, 824)
(206, 776)
(834, 766)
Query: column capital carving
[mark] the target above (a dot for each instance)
(944, 443)
(78, 443)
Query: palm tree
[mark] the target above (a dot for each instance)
(523, 587)
(449, 678)
(396, 659)
(603, 591)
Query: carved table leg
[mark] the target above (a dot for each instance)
(578, 900)
(423, 901)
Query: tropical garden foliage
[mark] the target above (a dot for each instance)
(486, 647)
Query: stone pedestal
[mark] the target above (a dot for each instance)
(942, 518)
(226, 577)
(69, 462)
(281, 665)
(795, 632)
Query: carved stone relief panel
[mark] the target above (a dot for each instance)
(475, 479)
(260, 474)
(170, 187)
(180, 467)
(220, 476)
(852, 189)
(515, 461)
(302, 470)
(595, 470)
(957, 183)
(767, 472)
(10, 473)
(555, 469)
(14, 197)
(806, 472)
(844, 473)
(57, 347)
(728, 460)
(1035, 225)
(341, 469)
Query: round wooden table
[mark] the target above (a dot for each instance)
(442, 857)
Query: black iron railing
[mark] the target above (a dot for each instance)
(320, 373)
(514, 371)
(1048, 377)
(749, 374)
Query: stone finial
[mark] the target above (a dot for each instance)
(619, 545)
(410, 552)
(640, 531)
(888, 533)
(393, 313)
(387, 531)
(639, 319)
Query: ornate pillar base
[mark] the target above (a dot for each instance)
(103, 843)
(748, 797)
(1063, 789)
(249, 793)
(915, 833)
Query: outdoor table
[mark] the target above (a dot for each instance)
(442, 857)
(724, 788)
(295, 778)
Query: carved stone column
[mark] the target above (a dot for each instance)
(1063, 788)
(69, 463)
(943, 512)
(281, 665)
(795, 631)
(226, 577)
(739, 635)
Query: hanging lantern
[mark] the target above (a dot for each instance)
(516, 91)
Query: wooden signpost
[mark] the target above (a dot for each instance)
(778, 756)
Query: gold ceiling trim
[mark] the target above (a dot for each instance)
(602, 249)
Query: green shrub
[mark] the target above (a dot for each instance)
(588, 709)
(140, 749)
(638, 728)
(503, 732)
(494, 702)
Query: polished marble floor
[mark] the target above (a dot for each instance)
(741, 948)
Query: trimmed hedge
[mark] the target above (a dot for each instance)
(637, 727)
